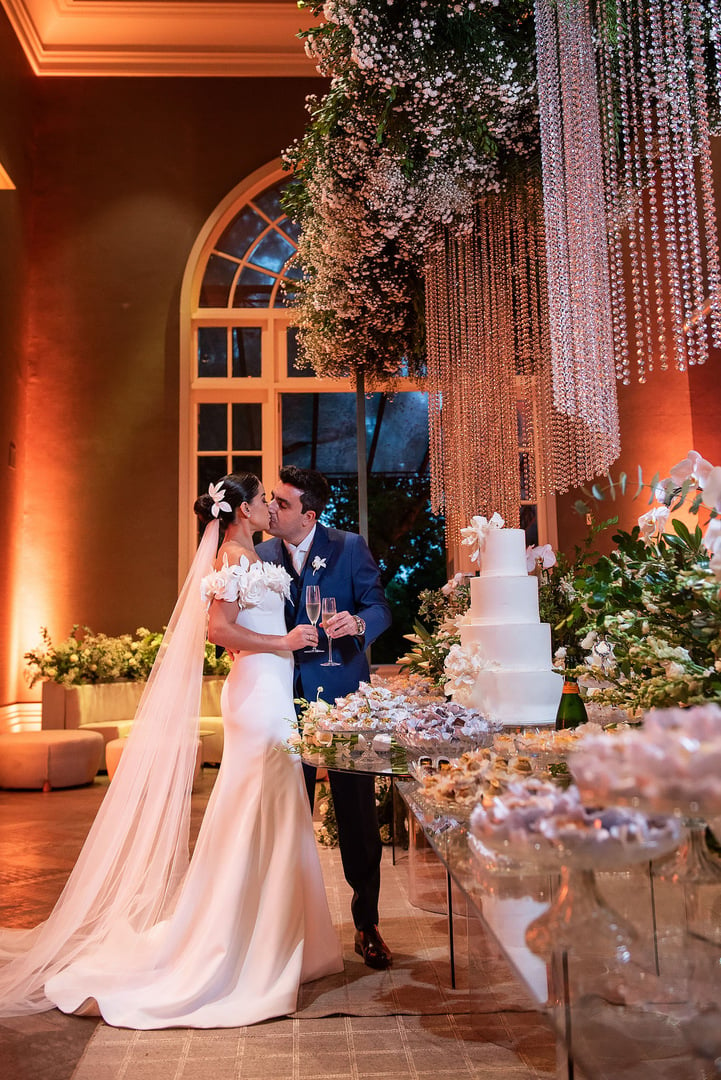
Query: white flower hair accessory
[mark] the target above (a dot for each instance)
(318, 564)
(217, 494)
(475, 534)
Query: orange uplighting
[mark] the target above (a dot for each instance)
(5, 181)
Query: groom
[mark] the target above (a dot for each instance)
(342, 566)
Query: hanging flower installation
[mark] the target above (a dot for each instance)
(419, 172)
(430, 103)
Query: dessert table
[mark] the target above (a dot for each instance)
(630, 993)
(601, 893)
(631, 998)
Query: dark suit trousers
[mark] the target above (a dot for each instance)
(358, 837)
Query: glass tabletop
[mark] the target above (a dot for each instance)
(352, 755)
(629, 982)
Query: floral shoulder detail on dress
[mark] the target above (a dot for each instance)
(245, 582)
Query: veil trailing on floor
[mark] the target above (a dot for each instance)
(136, 853)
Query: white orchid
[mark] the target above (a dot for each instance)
(543, 554)
(711, 488)
(693, 467)
(451, 585)
(474, 535)
(318, 564)
(652, 523)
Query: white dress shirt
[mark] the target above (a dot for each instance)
(299, 552)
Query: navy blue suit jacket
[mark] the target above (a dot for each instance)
(351, 575)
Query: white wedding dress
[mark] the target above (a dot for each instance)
(250, 922)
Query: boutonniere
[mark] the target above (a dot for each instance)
(318, 564)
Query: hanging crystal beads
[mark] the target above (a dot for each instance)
(658, 67)
(496, 435)
(580, 286)
(534, 315)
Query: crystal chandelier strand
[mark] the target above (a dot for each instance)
(578, 276)
(633, 171)
(611, 186)
(683, 171)
(648, 174)
(655, 91)
(701, 91)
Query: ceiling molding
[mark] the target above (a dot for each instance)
(177, 37)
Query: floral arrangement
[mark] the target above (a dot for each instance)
(650, 611)
(433, 639)
(462, 666)
(87, 657)
(430, 102)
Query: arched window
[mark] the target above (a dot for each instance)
(244, 406)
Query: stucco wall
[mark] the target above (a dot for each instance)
(124, 173)
(16, 111)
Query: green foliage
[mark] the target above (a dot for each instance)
(87, 657)
(406, 539)
(326, 829)
(657, 604)
(558, 600)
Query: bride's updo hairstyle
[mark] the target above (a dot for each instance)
(237, 488)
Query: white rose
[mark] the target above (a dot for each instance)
(252, 589)
(219, 585)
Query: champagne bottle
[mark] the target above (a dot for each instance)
(571, 710)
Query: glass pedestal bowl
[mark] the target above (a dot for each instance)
(604, 947)
(693, 863)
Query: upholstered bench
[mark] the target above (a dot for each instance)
(49, 759)
(109, 708)
(114, 751)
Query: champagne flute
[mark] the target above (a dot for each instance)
(312, 606)
(328, 611)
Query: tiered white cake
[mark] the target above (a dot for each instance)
(517, 687)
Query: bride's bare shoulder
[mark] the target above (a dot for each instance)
(232, 552)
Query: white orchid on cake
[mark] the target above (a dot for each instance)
(474, 535)
(462, 666)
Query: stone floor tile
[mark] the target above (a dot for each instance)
(40, 837)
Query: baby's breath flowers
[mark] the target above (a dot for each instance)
(429, 104)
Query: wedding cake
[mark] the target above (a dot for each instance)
(503, 633)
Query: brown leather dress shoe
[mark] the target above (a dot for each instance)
(371, 946)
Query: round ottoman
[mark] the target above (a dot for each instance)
(49, 759)
(114, 750)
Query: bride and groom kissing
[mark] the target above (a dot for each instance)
(141, 935)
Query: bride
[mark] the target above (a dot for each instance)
(140, 935)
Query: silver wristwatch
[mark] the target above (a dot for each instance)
(360, 626)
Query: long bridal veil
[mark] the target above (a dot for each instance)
(136, 852)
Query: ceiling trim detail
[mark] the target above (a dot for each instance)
(173, 38)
